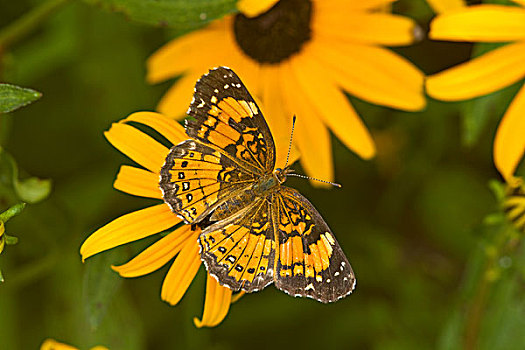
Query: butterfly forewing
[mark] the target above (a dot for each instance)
(227, 117)
(196, 178)
(310, 261)
(233, 147)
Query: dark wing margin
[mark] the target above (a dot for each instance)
(239, 251)
(195, 179)
(227, 117)
(310, 261)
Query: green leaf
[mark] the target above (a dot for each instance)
(100, 285)
(498, 188)
(30, 190)
(13, 97)
(33, 190)
(180, 14)
(11, 240)
(13, 211)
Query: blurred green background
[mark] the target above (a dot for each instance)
(412, 221)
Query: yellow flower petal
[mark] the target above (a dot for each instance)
(236, 297)
(248, 70)
(216, 304)
(480, 76)
(170, 129)
(156, 255)
(509, 143)
(177, 99)
(345, 5)
(489, 23)
(182, 271)
(129, 228)
(253, 8)
(313, 138)
(196, 49)
(519, 2)
(277, 117)
(175, 102)
(138, 146)
(334, 107)
(373, 74)
(50, 344)
(374, 28)
(138, 182)
(441, 6)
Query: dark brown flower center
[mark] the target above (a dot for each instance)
(276, 34)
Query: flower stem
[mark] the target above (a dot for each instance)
(27, 23)
(504, 245)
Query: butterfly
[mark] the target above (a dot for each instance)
(255, 231)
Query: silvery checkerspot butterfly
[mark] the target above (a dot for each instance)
(255, 230)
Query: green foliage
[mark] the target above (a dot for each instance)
(179, 14)
(418, 223)
(13, 97)
(100, 285)
(30, 190)
(6, 239)
(12, 212)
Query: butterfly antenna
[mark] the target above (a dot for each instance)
(313, 178)
(290, 144)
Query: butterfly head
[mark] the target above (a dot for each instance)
(280, 174)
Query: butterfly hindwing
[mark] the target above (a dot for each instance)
(310, 261)
(240, 251)
(226, 117)
(196, 178)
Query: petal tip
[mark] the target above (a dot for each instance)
(198, 323)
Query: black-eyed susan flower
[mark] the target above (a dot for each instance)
(51, 344)
(181, 241)
(298, 57)
(440, 6)
(488, 73)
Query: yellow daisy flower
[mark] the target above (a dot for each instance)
(440, 6)
(489, 72)
(297, 58)
(51, 344)
(180, 241)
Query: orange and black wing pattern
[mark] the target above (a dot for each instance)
(231, 148)
(310, 262)
(196, 179)
(226, 117)
(240, 250)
